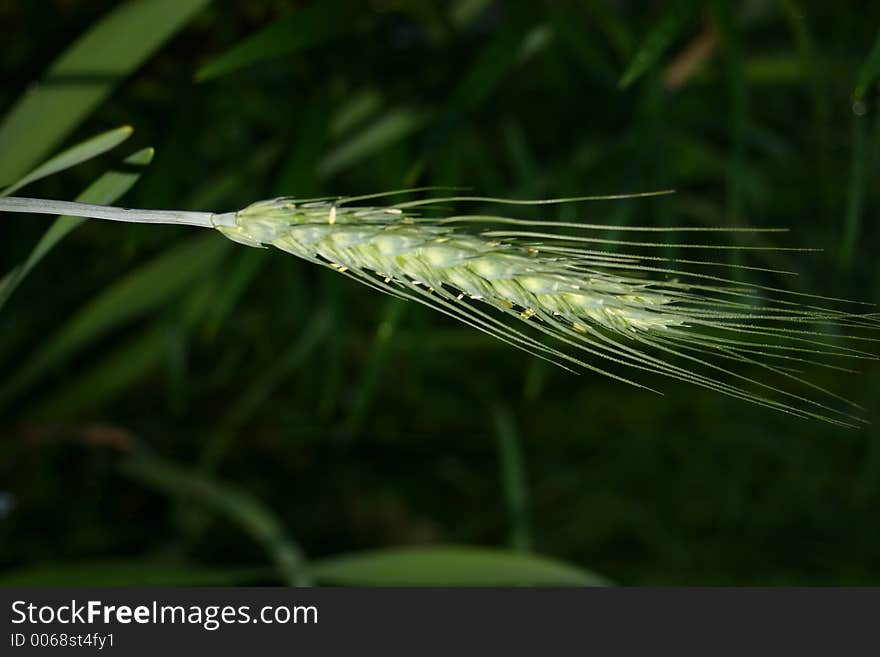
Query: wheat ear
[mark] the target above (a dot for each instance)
(556, 290)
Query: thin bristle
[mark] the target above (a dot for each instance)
(626, 309)
(561, 296)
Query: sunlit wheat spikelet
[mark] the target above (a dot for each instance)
(558, 291)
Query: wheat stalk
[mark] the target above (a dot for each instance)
(568, 297)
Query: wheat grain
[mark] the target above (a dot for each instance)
(549, 294)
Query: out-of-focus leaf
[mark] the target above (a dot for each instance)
(85, 150)
(303, 29)
(394, 125)
(383, 341)
(104, 191)
(117, 370)
(298, 174)
(235, 504)
(465, 12)
(237, 280)
(84, 75)
(737, 201)
(134, 573)
(568, 24)
(513, 477)
(136, 294)
(248, 402)
(659, 38)
(491, 66)
(111, 376)
(868, 73)
(450, 566)
(796, 16)
(607, 18)
(357, 107)
(855, 205)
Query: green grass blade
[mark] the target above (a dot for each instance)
(581, 44)
(394, 125)
(238, 278)
(134, 572)
(868, 73)
(235, 504)
(297, 175)
(74, 155)
(658, 40)
(104, 191)
(354, 110)
(301, 30)
(113, 374)
(138, 293)
(606, 16)
(737, 89)
(84, 75)
(855, 202)
(513, 478)
(811, 60)
(492, 65)
(107, 379)
(450, 566)
(253, 396)
(373, 369)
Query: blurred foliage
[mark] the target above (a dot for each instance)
(175, 409)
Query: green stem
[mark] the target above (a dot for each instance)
(70, 208)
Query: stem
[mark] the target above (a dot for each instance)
(89, 211)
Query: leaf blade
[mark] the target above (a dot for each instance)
(136, 294)
(84, 75)
(658, 40)
(77, 154)
(450, 566)
(236, 504)
(868, 72)
(301, 30)
(104, 191)
(133, 572)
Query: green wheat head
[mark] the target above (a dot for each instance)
(559, 292)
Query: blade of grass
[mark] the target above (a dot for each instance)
(357, 107)
(737, 168)
(494, 62)
(868, 73)
(375, 365)
(463, 13)
(138, 293)
(396, 124)
(797, 20)
(239, 277)
(133, 572)
(580, 43)
(84, 75)
(298, 174)
(229, 501)
(301, 30)
(606, 17)
(116, 371)
(104, 191)
(659, 38)
(81, 152)
(855, 202)
(248, 403)
(450, 566)
(513, 478)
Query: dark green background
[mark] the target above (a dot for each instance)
(396, 426)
